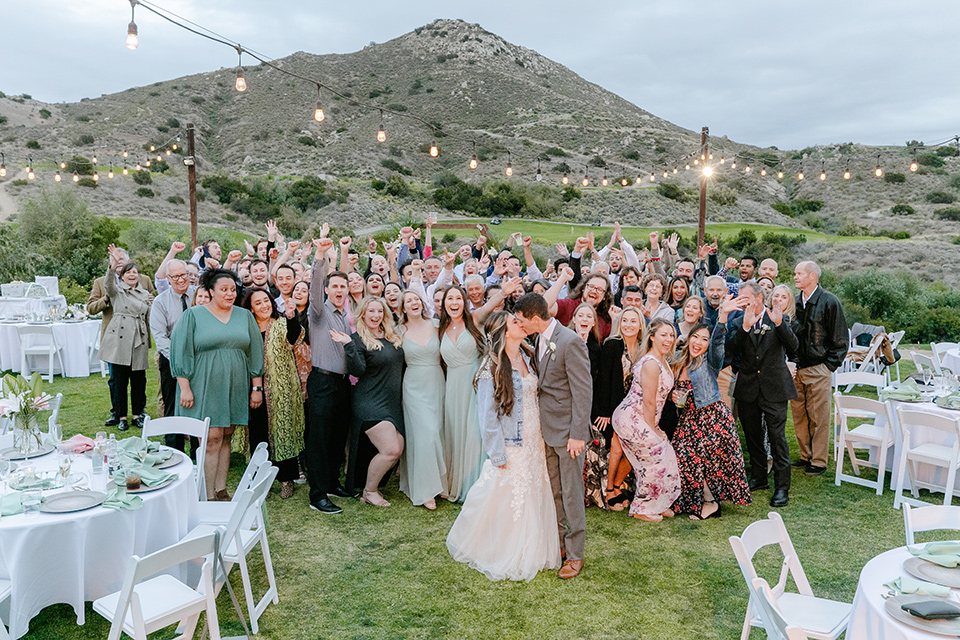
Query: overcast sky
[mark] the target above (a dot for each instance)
(790, 74)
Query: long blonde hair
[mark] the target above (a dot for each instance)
(651, 330)
(791, 310)
(369, 340)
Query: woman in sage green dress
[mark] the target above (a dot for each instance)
(216, 352)
(460, 347)
(422, 470)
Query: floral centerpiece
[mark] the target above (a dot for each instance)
(23, 400)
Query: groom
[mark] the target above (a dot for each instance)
(566, 392)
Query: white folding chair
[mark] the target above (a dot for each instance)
(926, 363)
(220, 512)
(188, 427)
(39, 341)
(932, 518)
(771, 616)
(5, 589)
(895, 339)
(877, 434)
(55, 404)
(852, 379)
(946, 456)
(242, 533)
(819, 618)
(869, 364)
(939, 348)
(93, 351)
(146, 604)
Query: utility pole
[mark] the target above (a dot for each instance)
(704, 158)
(191, 162)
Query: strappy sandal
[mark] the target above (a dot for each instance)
(646, 518)
(374, 498)
(616, 503)
(222, 496)
(713, 514)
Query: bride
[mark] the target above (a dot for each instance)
(507, 527)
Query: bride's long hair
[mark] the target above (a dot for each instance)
(496, 362)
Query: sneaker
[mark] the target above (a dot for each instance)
(301, 480)
(122, 425)
(112, 421)
(814, 470)
(325, 506)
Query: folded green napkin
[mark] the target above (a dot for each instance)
(10, 504)
(126, 501)
(908, 391)
(908, 584)
(945, 554)
(951, 401)
(128, 458)
(151, 476)
(132, 444)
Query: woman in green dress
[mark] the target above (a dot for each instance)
(216, 354)
(461, 344)
(422, 470)
(279, 420)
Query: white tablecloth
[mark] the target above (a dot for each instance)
(76, 557)
(10, 307)
(74, 338)
(951, 360)
(868, 619)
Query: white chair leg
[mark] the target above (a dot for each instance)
(881, 465)
(247, 590)
(745, 634)
(901, 470)
(948, 489)
(268, 564)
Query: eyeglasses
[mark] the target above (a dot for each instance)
(180, 277)
(593, 287)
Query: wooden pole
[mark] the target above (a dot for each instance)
(192, 182)
(704, 158)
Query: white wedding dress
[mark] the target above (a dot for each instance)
(507, 528)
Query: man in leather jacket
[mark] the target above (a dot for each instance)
(822, 331)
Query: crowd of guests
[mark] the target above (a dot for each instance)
(350, 363)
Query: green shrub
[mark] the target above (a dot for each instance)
(632, 154)
(497, 198)
(162, 128)
(956, 240)
(378, 185)
(224, 188)
(941, 197)
(554, 152)
(84, 140)
(901, 209)
(896, 235)
(159, 166)
(142, 177)
(45, 114)
(3, 119)
(80, 165)
(144, 192)
(948, 213)
(393, 165)
(894, 177)
(173, 123)
(198, 100)
(597, 161)
(783, 208)
(88, 182)
(671, 191)
(32, 144)
(397, 187)
(930, 160)
(955, 182)
(21, 182)
(947, 151)
(397, 107)
(448, 238)
(814, 221)
(723, 195)
(176, 200)
(853, 229)
(82, 118)
(562, 167)
(571, 193)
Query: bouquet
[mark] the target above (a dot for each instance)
(22, 400)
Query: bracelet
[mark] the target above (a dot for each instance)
(258, 388)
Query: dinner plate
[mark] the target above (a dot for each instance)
(145, 489)
(932, 572)
(942, 627)
(12, 454)
(937, 402)
(172, 461)
(70, 501)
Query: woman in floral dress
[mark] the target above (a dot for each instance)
(635, 423)
(706, 443)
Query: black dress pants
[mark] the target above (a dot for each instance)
(753, 415)
(124, 374)
(168, 392)
(330, 419)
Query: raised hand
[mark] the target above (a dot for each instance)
(324, 230)
(213, 264)
(340, 337)
(590, 243)
(371, 244)
(654, 239)
(562, 250)
(234, 255)
(750, 317)
(293, 245)
(290, 310)
(527, 241)
(448, 259)
(274, 253)
(673, 242)
(731, 263)
(431, 220)
(271, 230)
(391, 250)
(177, 247)
(417, 266)
(416, 234)
(581, 245)
(482, 241)
(776, 315)
(566, 273)
(323, 245)
(617, 235)
(703, 251)
(345, 243)
(248, 247)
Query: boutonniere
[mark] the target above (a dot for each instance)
(762, 330)
(552, 348)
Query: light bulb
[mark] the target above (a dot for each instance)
(722, 159)
(241, 81)
(604, 182)
(96, 177)
(56, 176)
(168, 152)
(3, 170)
(63, 165)
(624, 182)
(110, 173)
(747, 169)
(76, 177)
(914, 166)
(539, 175)
(434, 149)
(159, 157)
(707, 171)
(780, 175)
(509, 170)
(126, 172)
(710, 156)
(132, 41)
(565, 179)
(473, 162)
(318, 112)
(153, 148)
(138, 167)
(147, 163)
(695, 161)
(585, 181)
(381, 134)
(763, 171)
(93, 159)
(125, 154)
(703, 157)
(30, 174)
(733, 165)
(823, 176)
(665, 173)
(174, 147)
(878, 172)
(674, 170)
(846, 174)
(639, 178)
(687, 167)
(800, 176)
(652, 177)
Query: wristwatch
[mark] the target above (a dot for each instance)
(258, 388)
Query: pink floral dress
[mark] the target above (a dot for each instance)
(647, 447)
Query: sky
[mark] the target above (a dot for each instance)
(784, 74)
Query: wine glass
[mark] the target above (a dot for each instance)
(5, 468)
(56, 434)
(143, 448)
(64, 463)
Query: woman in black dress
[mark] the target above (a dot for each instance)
(375, 357)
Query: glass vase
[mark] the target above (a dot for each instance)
(26, 435)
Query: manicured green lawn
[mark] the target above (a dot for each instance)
(551, 233)
(385, 573)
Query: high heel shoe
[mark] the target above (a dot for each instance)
(374, 498)
(616, 503)
(713, 514)
(431, 504)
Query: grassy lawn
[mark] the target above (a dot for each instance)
(554, 232)
(385, 573)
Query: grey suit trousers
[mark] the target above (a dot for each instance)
(566, 481)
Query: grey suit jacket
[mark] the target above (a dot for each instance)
(566, 389)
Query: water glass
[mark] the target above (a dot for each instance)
(31, 502)
(132, 478)
(682, 395)
(56, 434)
(64, 463)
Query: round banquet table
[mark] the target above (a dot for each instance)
(951, 360)
(74, 339)
(78, 557)
(10, 307)
(868, 618)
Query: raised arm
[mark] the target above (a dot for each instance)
(175, 248)
(553, 293)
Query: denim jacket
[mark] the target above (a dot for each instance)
(504, 431)
(704, 377)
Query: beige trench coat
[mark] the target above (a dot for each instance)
(126, 340)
